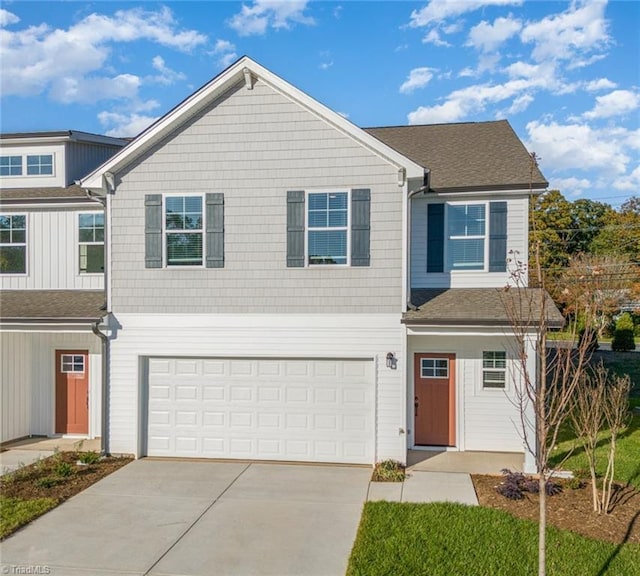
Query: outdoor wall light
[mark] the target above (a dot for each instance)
(392, 361)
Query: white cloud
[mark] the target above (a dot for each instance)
(520, 104)
(629, 182)
(582, 28)
(418, 78)
(125, 124)
(166, 75)
(433, 37)
(488, 37)
(262, 14)
(616, 103)
(325, 65)
(90, 89)
(600, 84)
(571, 186)
(70, 63)
(439, 10)
(225, 51)
(7, 18)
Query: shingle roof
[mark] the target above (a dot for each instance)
(51, 305)
(481, 307)
(70, 193)
(466, 156)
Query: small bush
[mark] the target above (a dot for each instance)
(623, 335)
(46, 482)
(514, 485)
(63, 469)
(576, 483)
(88, 458)
(388, 471)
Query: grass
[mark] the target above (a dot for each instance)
(15, 512)
(443, 539)
(622, 363)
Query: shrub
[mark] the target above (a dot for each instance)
(623, 335)
(388, 471)
(63, 469)
(88, 458)
(46, 482)
(515, 484)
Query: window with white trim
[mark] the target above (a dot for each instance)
(434, 368)
(328, 228)
(72, 363)
(91, 242)
(494, 369)
(40, 165)
(466, 234)
(183, 223)
(13, 244)
(10, 165)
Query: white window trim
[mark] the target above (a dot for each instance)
(307, 228)
(505, 370)
(25, 166)
(80, 243)
(485, 267)
(25, 244)
(202, 231)
(22, 174)
(73, 356)
(447, 360)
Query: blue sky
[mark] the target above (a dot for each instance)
(565, 74)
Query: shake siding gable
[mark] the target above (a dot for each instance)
(253, 146)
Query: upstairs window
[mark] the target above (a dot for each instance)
(328, 227)
(91, 243)
(40, 165)
(183, 224)
(10, 165)
(13, 244)
(494, 369)
(466, 231)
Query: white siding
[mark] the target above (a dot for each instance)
(28, 381)
(256, 336)
(487, 420)
(52, 253)
(58, 178)
(517, 238)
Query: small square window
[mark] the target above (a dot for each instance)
(10, 165)
(72, 363)
(434, 368)
(494, 369)
(40, 165)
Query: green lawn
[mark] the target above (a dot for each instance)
(447, 539)
(15, 512)
(623, 363)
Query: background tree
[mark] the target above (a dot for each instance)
(620, 233)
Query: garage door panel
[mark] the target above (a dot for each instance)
(313, 410)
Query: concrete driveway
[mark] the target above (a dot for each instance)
(204, 518)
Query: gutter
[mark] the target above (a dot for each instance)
(104, 426)
(423, 188)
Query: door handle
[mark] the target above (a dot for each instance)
(415, 405)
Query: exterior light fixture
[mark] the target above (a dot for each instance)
(392, 361)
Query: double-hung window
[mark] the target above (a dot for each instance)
(91, 243)
(466, 233)
(183, 223)
(13, 244)
(10, 165)
(40, 165)
(328, 228)
(494, 369)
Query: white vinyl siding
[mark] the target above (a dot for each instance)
(517, 235)
(40, 165)
(52, 254)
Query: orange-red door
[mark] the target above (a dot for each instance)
(434, 403)
(72, 392)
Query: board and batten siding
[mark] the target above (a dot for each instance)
(28, 381)
(52, 252)
(517, 237)
(83, 157)
(253, 146)
(314, 336)
(487, 419)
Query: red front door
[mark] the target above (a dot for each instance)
(434, 403)
(72, 392)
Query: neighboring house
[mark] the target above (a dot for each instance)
(267, 299)
(51, 284)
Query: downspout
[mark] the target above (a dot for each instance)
(423, 188)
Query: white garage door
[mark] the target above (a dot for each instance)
(265, 409)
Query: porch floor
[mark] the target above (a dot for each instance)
(57, 443)
(468, 462)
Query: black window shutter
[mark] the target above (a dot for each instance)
(295, 229)
(153, 230)
(435, 237)
(215, 230)
(497, 237)
(360, 227)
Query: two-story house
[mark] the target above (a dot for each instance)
(284, 285)
(51, 284)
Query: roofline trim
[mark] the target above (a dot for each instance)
(440, 322)
(57, 136)
(50, 320)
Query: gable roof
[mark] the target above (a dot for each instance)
(244, 70)
(469, 156)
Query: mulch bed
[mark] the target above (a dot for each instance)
(24, 483)
(572, 509)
